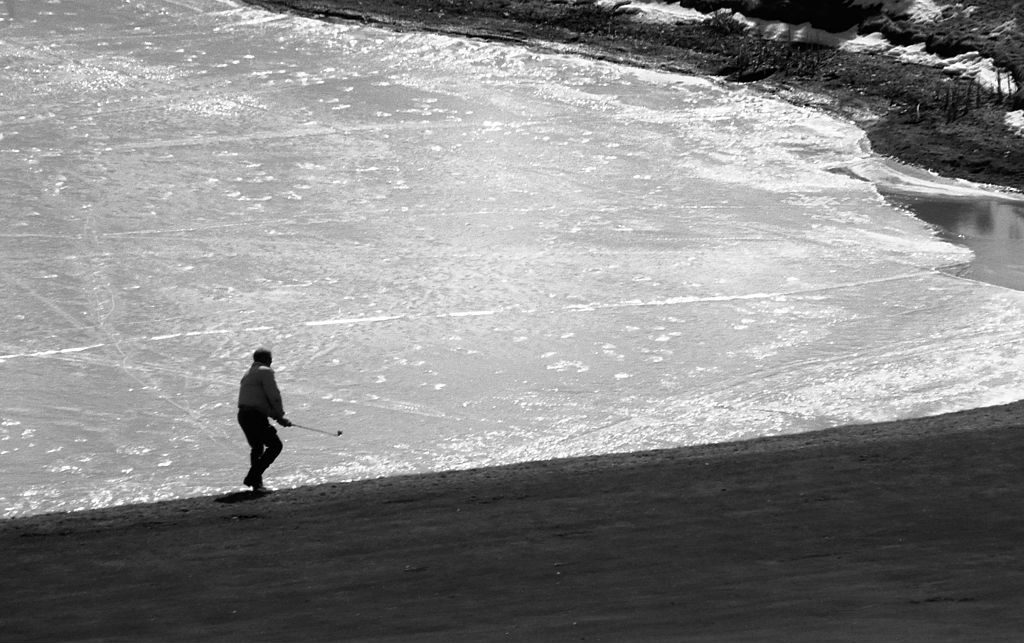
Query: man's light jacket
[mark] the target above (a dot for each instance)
(259, 391)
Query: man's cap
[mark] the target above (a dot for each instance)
(261, 355)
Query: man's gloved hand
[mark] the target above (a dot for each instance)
(284, 422)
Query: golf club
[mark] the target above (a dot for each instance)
(309, 428)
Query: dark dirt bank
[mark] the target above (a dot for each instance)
(905, 531)
(917, 114)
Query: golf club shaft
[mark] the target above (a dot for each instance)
(309, 428)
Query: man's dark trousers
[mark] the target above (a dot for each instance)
(263, 441)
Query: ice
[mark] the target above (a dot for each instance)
(490, 255)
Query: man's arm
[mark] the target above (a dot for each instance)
(274, 399)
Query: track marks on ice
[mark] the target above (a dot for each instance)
(47, 302)
(574, 308)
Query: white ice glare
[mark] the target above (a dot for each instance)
(461, 253)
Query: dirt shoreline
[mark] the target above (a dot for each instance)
(908, 530)
(904, 108)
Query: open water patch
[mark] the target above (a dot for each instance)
(992, 229)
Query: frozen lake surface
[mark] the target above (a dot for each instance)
(462, 254)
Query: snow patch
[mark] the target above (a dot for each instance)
(1015, 121)
(804, 32)
(915, 10)
(663, 12)
(968, 65)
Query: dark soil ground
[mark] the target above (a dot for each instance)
(904, 531)
(917, 114)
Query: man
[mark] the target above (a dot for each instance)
(259, 399)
